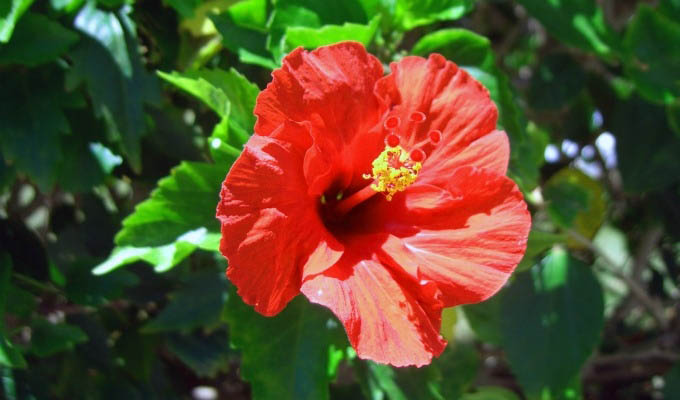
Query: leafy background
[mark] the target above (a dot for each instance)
(119, 120)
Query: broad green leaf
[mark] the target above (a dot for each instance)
(284, 356)
(48, 339)
(84, 288)
(118, 84)
(205, 355)
(164, 257)
(249, 44)
(287, 15)
(579, 23)
(182, 202)
(556, 83)
(461, 46)
(31, 127)
(228, 93)
(652, 46)
(647, 161)
(37, 39)
(106, 28)
(10, 12)
(331, 12)
(198, 303)
(537, 244)
(328, 34)
(671, 388)
(575, 201)
(412, 13)
(485, 318)
(447, 377)
(491, 393)
(555, 312)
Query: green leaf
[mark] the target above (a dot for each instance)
(312, 38)
(106, 28)
(652, 46)
(182, 202)
(490, 393)
(198, 304)
(447, 377)
(31, 127)
(10, 12)
(84, 288)
(48, 339)
(300, 335)
(205, 355)
(228, 93)
(556, 83)
(671, 388)
(553, 313)
(485, 319)
(579, 23)
(378, 380)
(67, 6)
(461, 46)
(649, 161)
(250, 45)
(37, 39)
(412, 13)
(537, 244)
(575, 201)
(164, 257)
(118, 84)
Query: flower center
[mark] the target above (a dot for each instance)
(394, 170)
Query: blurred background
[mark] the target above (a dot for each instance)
(119, 120)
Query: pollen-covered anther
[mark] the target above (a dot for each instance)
(393, 171)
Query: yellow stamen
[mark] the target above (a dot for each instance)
(393, 171)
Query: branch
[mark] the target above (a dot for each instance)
(636, 290)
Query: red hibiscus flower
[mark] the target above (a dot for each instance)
(383, 198)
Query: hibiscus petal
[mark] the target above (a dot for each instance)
(332, 89)
(385, 320)
(271, 233)
(452, 102)
(467, 238)
(491, 152)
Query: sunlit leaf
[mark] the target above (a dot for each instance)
(183, 202)
(10, 12)
(579, 23)
(312, 38)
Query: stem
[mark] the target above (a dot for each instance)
(352, 201)
(35, 284)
